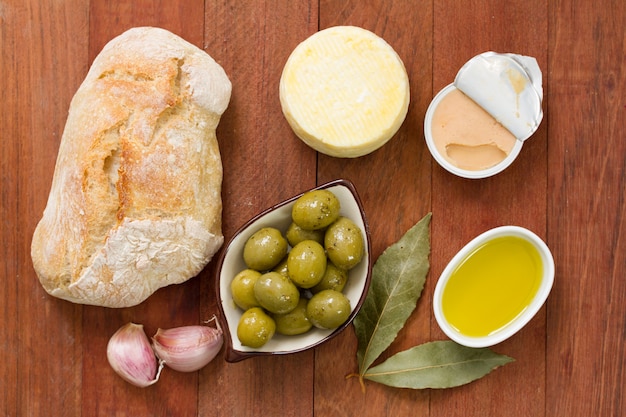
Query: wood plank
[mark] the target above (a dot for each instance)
(465, 208)
(104, 392)
(394, 184)
(567, 185)
(587, 212)
(35, 95)
(263, 165)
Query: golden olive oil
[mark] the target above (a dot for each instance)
(492, 286)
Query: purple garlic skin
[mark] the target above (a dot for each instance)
(187, 348)
(130, 355)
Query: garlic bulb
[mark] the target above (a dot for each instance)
(131, 356)
(187, 348)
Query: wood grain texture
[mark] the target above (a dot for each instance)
(42, 363)
(263, 165)
(587, 212)
(567, 185)
(394, 184)
(462, 209)
(170, 307)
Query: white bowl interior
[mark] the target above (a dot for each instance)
(521, 320)
(441, 160)
(280, 218)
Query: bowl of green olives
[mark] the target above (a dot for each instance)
(295, 275)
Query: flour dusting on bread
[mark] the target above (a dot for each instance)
(135, 202)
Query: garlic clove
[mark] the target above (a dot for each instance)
(131, 356)
(187, 348)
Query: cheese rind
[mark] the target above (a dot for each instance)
(344, 91)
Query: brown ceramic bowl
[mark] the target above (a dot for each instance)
(231, 262)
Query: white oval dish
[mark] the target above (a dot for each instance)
(525, 316)
(231, 262)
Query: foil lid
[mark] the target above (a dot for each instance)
(508, 87)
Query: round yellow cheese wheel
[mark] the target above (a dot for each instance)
(344, 91)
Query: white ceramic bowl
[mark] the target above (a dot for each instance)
(525, 316)
(231, 262)
(441, 160)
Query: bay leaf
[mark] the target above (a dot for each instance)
(398, 278)
(440, 364)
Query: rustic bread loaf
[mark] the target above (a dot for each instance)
(135, 202)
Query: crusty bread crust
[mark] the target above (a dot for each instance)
(135, 202)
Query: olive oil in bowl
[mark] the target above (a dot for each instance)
(493, 286)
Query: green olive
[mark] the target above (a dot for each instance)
(344, 243)
(255, 328)
(281, 267)
(242, 288)
(315, 209)
(295, 322)
(306, 263)
(334, 279)
(264, 249)
(276, 293)
(328, 309)
(295, 234)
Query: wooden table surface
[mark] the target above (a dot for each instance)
(567, 186)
